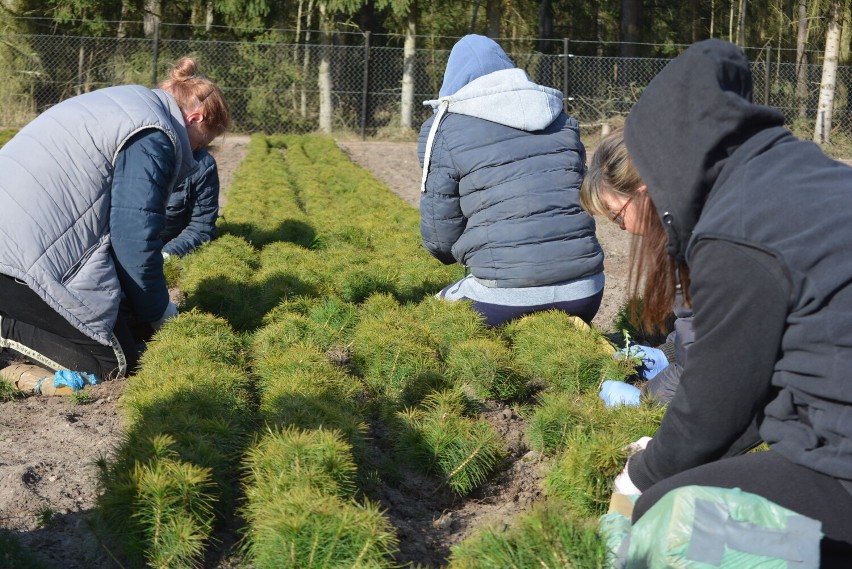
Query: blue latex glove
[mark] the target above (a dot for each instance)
(619, 393)
(75, 379)
(653, 360)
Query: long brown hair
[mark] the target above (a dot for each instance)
(193, 91)
(652, 271)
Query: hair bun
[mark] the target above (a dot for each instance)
(184, 69)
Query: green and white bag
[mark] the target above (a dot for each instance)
(700, 527)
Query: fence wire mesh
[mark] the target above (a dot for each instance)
(274, 87)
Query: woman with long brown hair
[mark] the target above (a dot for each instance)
(704, 176)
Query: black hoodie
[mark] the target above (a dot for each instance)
(764, 222)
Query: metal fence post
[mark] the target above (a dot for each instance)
(156, 53)
(366, 83)
(566, 48)
(81, 59)
(767, 75)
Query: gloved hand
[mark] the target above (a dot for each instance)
(170, 312)
(623, 484)
(74, 379)
(653, 360)
(616, 393)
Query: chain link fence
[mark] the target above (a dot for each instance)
(273, 87)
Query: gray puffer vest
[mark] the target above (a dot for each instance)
(55, 193)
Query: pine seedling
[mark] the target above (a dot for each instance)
(439, 438)
(595, 450)
(299, 508)
(558, 350)
(305, 529)
(551, 421)
(219, 279)
(484, 364)
(583, 475)
(175, 510)
(154, 505)
(292, 457)
(394, 353)
(451, 323)
(548, 536)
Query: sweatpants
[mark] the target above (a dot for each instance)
(30, 327)
(581, 298)
(770, 475)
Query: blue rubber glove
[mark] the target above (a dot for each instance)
(619, 393)
(653, 360)
(75, 379)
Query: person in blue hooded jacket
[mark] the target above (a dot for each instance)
(192, 209)
(502, 167)
(83, 196)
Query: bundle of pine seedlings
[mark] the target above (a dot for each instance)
(189, 414)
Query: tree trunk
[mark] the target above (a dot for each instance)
(493, 16)
(825, 108)
(802, 60)
(408, 52)
(695, 16)
(741, 22)
(122, 25)
(545, 23)
(845, 31)
(631, 27)
(324, 79)
(151, 17)
(307, 61)
(208, 19)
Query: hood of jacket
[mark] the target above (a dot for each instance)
(481, 81)
(689, 120)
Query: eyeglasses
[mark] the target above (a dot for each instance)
(618, 218)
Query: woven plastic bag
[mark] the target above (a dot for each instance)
(702, 527)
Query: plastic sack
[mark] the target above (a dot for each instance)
(700, 527)
(74, 379)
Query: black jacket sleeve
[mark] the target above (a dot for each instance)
(740, 296)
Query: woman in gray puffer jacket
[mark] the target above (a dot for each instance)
(83, 199)
(502, 168)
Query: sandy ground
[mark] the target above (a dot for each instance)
(48, 481)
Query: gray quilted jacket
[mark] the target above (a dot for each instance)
(502, 167)
(55, 196)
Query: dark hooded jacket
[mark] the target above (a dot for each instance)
(193, 208)
(503, 166)
(764, 223)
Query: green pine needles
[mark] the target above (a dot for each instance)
(440, 438)
(300, 488)
(308, 337)
(548, 536)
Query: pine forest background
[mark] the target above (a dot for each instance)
(365, 66)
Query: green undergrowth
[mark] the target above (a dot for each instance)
(6, 134)
(306, 324)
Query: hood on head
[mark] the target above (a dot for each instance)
(472, 57)
(692, 116)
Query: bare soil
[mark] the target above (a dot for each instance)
(48, 448)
